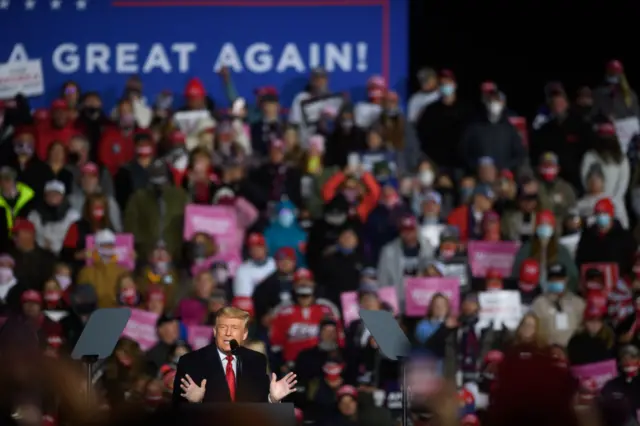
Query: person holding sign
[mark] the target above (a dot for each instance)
(560, 311)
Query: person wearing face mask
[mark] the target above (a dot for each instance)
(30, 170)
(10, 288)
(346, 138)
(94, 218)
(615, 98)
(440, 125)
(59, 128)
(360, 188)
(545, 248)
(405, 256)
(53, 218)
(90, 185)
(565, 134)
(79, 155)
(269, 127)
(607, 240)
(275, 289)
(116, 146)
(135, 175)
(628, 382)
(554, 192)
(160, 272)
(341, 264)
(594, 341)
(157, 213)
(493, 136)
(399, 133)
(92, 120)
(560, 311)
(103, 273)
(325, 231)
(285, 231)
(468, 217)
(296, 326)
(368, 112)
(309, 361)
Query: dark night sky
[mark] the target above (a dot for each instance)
(522, 44)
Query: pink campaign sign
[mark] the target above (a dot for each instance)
(142, 328)
(218, 221)
(485, 254)
(350, 306)
(199, 336)
(124, 250)
(601, 372)
(420, 290)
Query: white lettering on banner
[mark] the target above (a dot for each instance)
(495, 260)
(423, 296)
(211, 225)
(258, 58)
(18, 54)
(66, 58)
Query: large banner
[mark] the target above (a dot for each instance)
(100, 43)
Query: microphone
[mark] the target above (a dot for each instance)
(234, 349)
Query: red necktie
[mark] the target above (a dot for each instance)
(231, 378)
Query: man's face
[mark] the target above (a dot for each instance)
(482, 203)
(595, 185)
(286, 265)
(195, 102)
(25, 238)
(26, 142)
(347, 406)
(89, 183)
(348, 240)
(53, 198)
(270, 109)
(7, 185)
(276, 155)
(409, 236)
(257, 252)
(31, 309)
(430, 84)
(78, 145)
(320, 83)
(59, 117)
(370, 302)
(169, 332)
(559, 105)
(228, 329)
(329, 333)
(488, 173)
(93, 102)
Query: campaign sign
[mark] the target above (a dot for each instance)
(218, 221)
(486, 254)
(420, 290)
(199, 336)
(609, 271)
(601, 372)
(100, 43)
(141, 327)
(124, 250)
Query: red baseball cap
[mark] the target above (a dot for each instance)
(493, 356)
(332, 370)
(615, 66)
(347, 390)
(530, 271)
(89, 169)
(493, 274)
(177, 138)
(302, 274)
(243, 302)
(256, 239)
(604, 206)
(22, 224)
(31, 296)
(59, 104)
(546, 217)
(408, 223)
(286, 253)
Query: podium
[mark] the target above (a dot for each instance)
(237, 414)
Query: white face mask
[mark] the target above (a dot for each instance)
(495, 108)
(6, 274)
(426, 177)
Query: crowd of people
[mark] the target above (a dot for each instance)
(332, 196)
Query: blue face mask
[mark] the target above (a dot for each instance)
(286, 218)
(613, 79)
(555, 287)
(603, 220)
(344, 250)
(544, 231)
(447, 89)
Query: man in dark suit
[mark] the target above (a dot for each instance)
(225, 375)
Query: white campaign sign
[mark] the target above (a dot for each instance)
(626, 129)
(502, 307)
(23, 77)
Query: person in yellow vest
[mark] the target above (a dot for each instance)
(104, 272)
(16, 200)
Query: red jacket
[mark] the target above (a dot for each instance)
(115, 149)
(459, 218)
(47, 134)
(295, 328)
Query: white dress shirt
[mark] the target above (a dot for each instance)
(234, 364)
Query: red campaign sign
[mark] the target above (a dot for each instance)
(520, 123)
(609, 270)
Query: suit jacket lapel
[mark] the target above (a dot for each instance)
(217, 380)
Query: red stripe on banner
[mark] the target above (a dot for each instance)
(385, 27)
(246, 3)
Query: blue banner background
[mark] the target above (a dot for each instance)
(207, 25)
